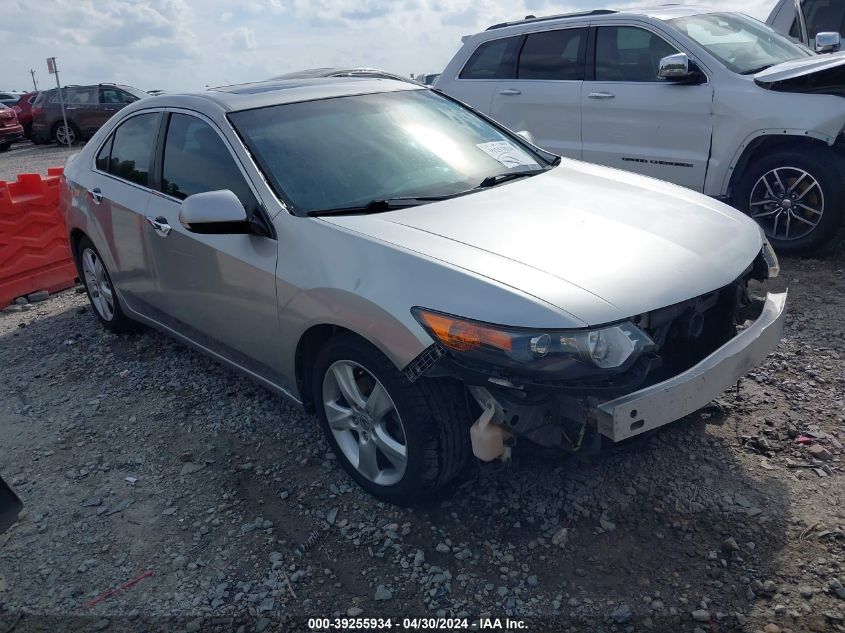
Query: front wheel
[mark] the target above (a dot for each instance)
(796, 196)
(400, 441)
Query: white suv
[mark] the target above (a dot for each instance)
(713, 101)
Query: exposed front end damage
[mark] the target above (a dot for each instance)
(701, 347)
(814, 75)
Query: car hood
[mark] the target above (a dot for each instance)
(598, 243)
(820, 74)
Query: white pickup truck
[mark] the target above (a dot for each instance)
(714, 101)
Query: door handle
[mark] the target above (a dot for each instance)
(160, 225)
(510, 91)
(96, 195)
(601, 95)
(108, 109)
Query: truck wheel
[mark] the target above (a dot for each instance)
(400, 441)
(796, 196)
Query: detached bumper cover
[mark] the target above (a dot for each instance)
(687, 392)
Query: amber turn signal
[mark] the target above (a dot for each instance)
(461, 335)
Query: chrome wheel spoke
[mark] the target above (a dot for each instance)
(378, 403)
(797, 182)
(339, 417)
(810, 209)
(804, 220)
(368, 459)
(395, 452)
(344, 375)
(765, 213)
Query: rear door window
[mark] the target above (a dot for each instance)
(132, 148)
(116, 96)
(493, 60)
(197, 160)
(553, 55)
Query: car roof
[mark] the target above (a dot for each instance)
(662, 12)
(341, 71)
(276, 92)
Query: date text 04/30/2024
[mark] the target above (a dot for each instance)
(483, 624)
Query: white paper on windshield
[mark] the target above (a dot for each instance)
(508, 154)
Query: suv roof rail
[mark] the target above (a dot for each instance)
(532, 18)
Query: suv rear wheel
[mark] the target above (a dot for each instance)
(796, 196)
(65, 135)
(400, 441)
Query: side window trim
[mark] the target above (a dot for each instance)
(593, 42)
(110, 140)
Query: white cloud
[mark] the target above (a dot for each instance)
(241, 38)
(176, 44)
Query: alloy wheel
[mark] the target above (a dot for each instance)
(787, 202)
(365, 422)
(98, 283)
(65, 135)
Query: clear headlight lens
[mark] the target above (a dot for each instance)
(771, 259)
(571, 353)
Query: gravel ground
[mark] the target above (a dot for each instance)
(28, 158)
(140, 460)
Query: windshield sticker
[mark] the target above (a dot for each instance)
(508, 154)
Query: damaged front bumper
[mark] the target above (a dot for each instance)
(672, 399)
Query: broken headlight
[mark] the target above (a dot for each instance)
(568, 353)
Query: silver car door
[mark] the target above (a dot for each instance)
(117, 196)
(217, 289)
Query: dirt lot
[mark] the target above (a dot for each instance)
(140, 460)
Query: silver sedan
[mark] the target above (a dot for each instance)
(431, 284)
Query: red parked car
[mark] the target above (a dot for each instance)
(23, 108)
(10, 129)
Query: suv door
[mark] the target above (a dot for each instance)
(117, 197)
(81, 107)
(634, 121)
(823, 16)
(219, 290)
(545, 96)
(110, 100)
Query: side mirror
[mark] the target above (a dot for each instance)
(828, 42)
(214, 212)
(678, 67)
(528, 136)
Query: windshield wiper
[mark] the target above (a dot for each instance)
(492, 181)
(754, 71)
(379, 206)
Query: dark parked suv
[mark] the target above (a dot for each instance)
(87, 108)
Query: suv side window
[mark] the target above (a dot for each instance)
(554, 55)
(493, 60)
(824, 16)
(81, 96)
(115, 96)
(627, 53)
(132, 148)
(197, 160)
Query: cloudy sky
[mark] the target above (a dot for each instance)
(188, 44)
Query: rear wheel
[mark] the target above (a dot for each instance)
(100, 289)
(400, 441)
(4, 146)
(65, 134)
(796, 196)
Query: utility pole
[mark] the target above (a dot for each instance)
(34, 83)
(54, 70)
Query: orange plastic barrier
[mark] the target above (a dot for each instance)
(34, 248)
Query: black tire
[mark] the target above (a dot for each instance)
(824, 165)
(4, 147)
(27, 131)
(433, 416)
(117, 321)
(73, 130)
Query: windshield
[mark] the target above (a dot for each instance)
(348, 151)
(741, 43)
